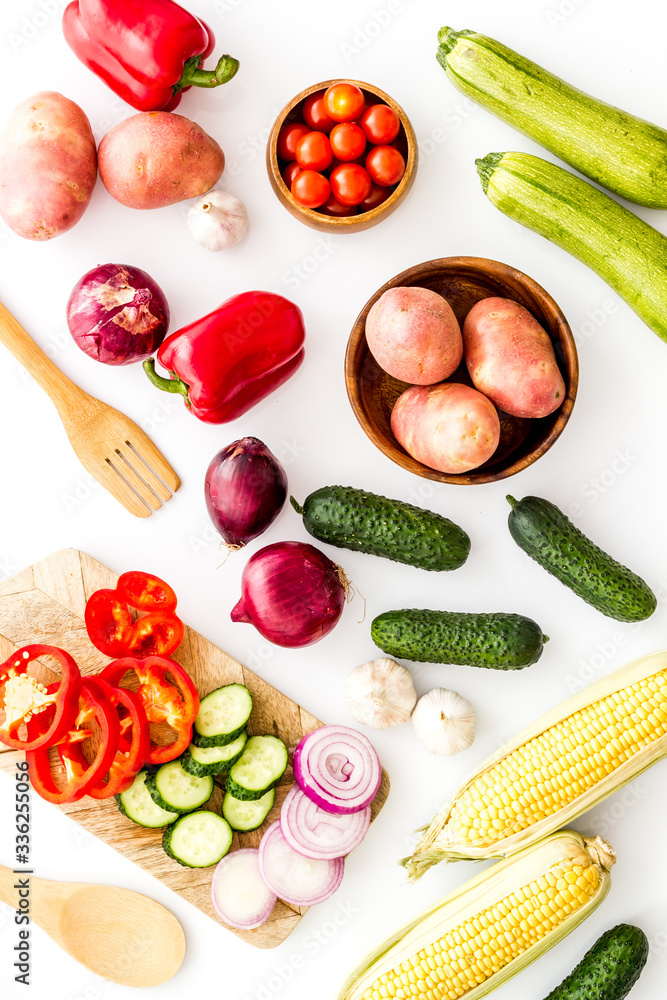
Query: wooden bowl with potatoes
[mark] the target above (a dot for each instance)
(457, 408)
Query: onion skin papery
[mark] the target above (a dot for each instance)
(246, 488)
(292, 593)
(117, 314)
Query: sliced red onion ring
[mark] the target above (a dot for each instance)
(241, 897)
(318, 834)
(338, 769)
(298, 880)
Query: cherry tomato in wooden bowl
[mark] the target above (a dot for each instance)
(385, 165)
(350, 183)
(344, 102)
(348, 141)
(313, 151)
(336, 208)
(380, 124)
(310, 189)
(288, 138)
(377, 196)
(315, 115)
(290, 172)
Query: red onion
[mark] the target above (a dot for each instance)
(316, 833)
(292, 593)
(241, 897)
(338, 769)
(117, 314)
(246, 488)
(294, 878)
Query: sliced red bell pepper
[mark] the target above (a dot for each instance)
(23, 698)
(109, 622)
(228, 361)
(80, 774)
(167, 693)
(133, 746)
(147, 51)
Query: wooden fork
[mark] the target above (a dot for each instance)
(108, 444)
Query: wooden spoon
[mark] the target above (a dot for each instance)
(118, 934)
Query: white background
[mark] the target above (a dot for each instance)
(608, 468)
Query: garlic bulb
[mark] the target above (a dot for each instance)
(444, 721)
(218, 220)
(380, 693)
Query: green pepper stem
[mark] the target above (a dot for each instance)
(195, 76)
(166, 384)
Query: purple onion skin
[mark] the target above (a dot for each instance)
(246, 488)
(292, 593)
(117, 314)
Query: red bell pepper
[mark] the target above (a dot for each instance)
(167, 694)
(23, 698)
(109, 622)
(133, 746)
(226, 362)
(147, 51)
(80, 774)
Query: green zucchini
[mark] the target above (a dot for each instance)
(503, 641)
(550, 538)
(621, 152)
(625, 251)
(609, 970)
(365, 522)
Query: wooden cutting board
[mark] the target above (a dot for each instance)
(45, 603)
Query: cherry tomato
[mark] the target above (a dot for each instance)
(290, 172)
(385, 165)
(288, 138)
(376, 197)
(313, 151)
(380, 123)
(334, 207)
(315, 115)
(347, 141)
(344, 102)
(350, 183)
(310, 189)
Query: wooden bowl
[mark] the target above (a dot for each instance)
(349, 223)
(463, 281)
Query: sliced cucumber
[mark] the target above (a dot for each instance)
(171, 787)
(198, 840)
(249, 814)
(138, 806)
(223, 715)
(201, 761)
(260, 767)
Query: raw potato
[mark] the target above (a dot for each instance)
(48, 166)
(155, 159)
(414, 335)
(449, 427)
(511, 359)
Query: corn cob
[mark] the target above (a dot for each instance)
(567, 762)
(482, 934)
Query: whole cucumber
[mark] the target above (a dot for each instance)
(502, 641)
(609, 970)
(365, 522)
(548, 536)
(614, 148)
(625, 251)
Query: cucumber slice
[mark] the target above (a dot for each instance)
(198, 840)
(171, 787)
(213, 760)
(260, 767)
(249, 814)
(223, 715)
(137, 805)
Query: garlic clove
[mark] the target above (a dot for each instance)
(380, 693)
(444, 721)
(218, 221)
